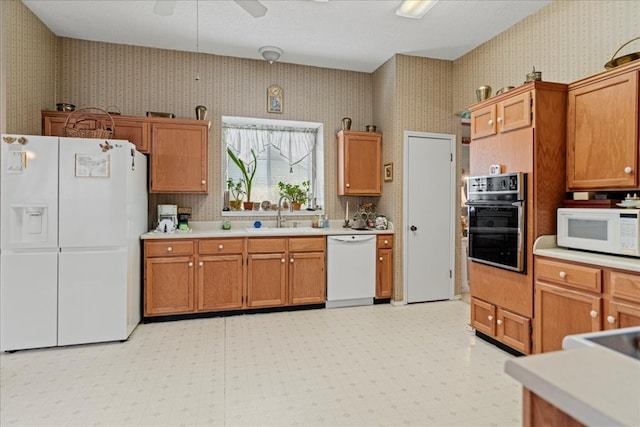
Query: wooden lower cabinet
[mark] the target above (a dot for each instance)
(307, 271)
(539, 412)
(168, 277)
(266, 279)
(220, 274)
(507, 327)
(622, 306)
(384, 266)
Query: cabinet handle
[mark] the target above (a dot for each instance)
(169, 249)
(190, 264)
(611, 319)
(201, 263)
(203, 182)
(499, 119)
(220, 247)
(380, 258)
(499, 321)
(628, 169)
(490, 318)
(593, 314)
(562, 274)
(490, 122)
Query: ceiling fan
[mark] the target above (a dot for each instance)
(252, 7)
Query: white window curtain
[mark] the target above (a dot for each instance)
(294, 144)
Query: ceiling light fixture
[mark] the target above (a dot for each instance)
(415, 8)
(270, 53)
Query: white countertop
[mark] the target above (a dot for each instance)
(547, 246)
(594, 385)
(209, 229)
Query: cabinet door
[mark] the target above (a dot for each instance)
(219, 282)
(384, 274)
(483, 122)
(602, 134)
(135, 131)
(514, 330)
(483, 317)
(266, 280)
(560, 312)
(52, 125)
(514, 113)
(307, 278)
(622, 315)
(359, 163)
(168, 286)
(179, 162)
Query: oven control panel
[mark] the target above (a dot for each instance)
(504, 184)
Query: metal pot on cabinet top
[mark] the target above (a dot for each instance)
(483, 92)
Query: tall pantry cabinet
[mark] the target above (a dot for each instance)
(522, 130)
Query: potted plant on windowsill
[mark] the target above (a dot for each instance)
(297, 193)
(248, 172)
(236, 190)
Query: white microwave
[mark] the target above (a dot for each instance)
(612, 231)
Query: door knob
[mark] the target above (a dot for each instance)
(413, 228)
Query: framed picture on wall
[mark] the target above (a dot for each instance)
(388, 172)
(275, 99)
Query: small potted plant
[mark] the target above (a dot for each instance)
(237, 191)
(297, 193)
(248, 172)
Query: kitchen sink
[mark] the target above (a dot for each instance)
(625, 341)
(279, 230)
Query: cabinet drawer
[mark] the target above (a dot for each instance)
(306, 244)
(576, 276)
(256, 245)
(625, 286)
(220, 246)
(385, 241)
(168, 248)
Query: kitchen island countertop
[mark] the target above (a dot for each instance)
(547, 246)
(213, 229)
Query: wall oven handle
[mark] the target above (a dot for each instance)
(518, 203)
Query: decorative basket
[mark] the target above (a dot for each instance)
(89, 125)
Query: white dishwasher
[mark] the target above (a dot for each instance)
(351, 270)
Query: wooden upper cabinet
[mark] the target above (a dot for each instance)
(359, 163)
(131, 128)
(179, 159)
(511, 113)
(602, 132)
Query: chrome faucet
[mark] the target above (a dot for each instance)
(279, 219)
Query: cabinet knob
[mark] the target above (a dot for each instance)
(291, 260)
(201, 263)
(169, 249)
(203, 182)
(593, 314)
(380, 258)
(190, 264)
(499, 119)
(562, 274)
(490, 318)
(386, 242)
(348, 185)
(490, 122)
(282, 261)
(499, 321)
(611, 319)
(628, 169)
(220, 247)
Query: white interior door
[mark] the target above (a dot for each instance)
(429, 185)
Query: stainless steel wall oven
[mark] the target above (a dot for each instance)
(497, 220)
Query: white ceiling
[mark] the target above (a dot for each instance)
(358, 35)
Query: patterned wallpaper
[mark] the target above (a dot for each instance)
(566, 40)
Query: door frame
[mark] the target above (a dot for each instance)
(405, 197)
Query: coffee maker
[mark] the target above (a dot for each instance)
(167, 218)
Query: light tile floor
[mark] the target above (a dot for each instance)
(415, 365)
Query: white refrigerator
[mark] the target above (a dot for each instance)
(71, 214)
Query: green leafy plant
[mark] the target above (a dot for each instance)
(235, 188)
(297, 193)
(248, 172)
